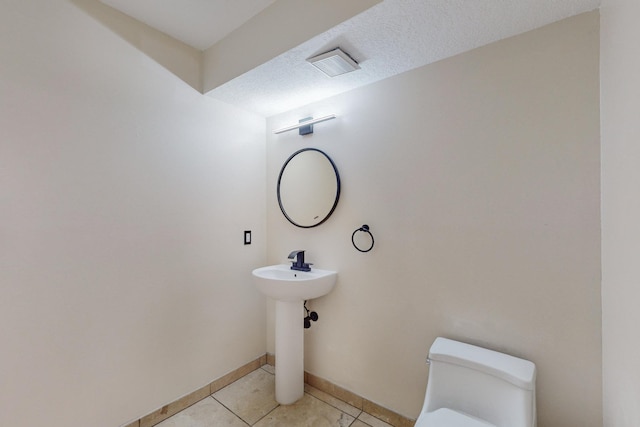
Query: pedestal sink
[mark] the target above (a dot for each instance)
(290, 288)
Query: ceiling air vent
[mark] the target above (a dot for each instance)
(334, 62)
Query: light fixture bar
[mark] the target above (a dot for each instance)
(305, 123)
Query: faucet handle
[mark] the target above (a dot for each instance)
(298, 263)
(294, 254)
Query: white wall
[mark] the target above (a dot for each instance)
(479, 177)
(620, 65)
(124, 194)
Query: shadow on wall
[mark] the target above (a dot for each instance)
(178, 58)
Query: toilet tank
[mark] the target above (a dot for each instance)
(483, 383)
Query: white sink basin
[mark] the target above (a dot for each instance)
(282, 283)
(289, 288)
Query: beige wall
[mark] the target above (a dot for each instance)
(479, 177)
(124, 194)
(125, 284)
(620, 81)
(287, 23)
(182, 60)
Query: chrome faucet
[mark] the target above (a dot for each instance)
(299, 263)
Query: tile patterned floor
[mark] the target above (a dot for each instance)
(250, 401)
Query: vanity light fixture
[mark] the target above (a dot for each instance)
(334, 63)
(306, 125)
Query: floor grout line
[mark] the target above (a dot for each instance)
(333, 406)
(229, 409)
(330, 400)
(266, 415)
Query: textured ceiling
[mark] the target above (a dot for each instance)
(391, 37)
(198, 23)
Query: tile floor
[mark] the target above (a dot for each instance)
(250, 401)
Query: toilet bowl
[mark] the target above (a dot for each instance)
(471, 386)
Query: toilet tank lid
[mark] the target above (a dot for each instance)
(519, 372)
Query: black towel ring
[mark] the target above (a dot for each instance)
(365, 229)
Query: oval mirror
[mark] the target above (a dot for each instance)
(308, 188)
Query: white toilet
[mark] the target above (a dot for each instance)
(471, 386)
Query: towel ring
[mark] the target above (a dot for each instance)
(364, 229)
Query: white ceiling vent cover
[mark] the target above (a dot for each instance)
(334, 62)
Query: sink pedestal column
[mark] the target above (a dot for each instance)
(289, 352)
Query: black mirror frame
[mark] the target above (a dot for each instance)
(335, 203)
